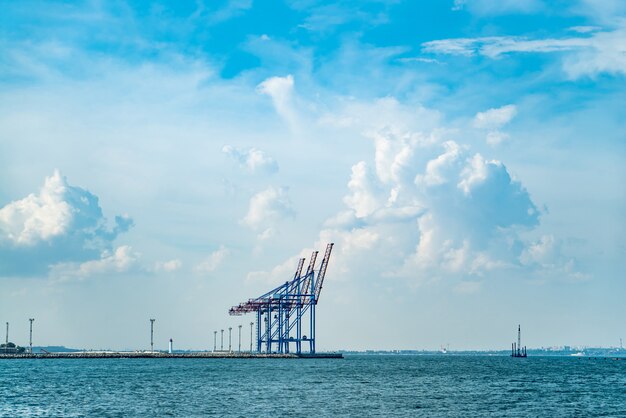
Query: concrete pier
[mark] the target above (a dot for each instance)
(147, 354)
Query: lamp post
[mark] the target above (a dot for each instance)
(152, 335)
(251, 325)
(31, 335)
(240, 338)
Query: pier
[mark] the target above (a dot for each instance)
(147, 354)
(285, 325)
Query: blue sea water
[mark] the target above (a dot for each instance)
(358, 385)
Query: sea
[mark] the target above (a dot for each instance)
(355, 386)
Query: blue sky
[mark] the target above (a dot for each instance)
(172, 159)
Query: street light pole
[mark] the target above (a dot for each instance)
(240, 338)
(31, 335)
(251, 325)
(152, 335)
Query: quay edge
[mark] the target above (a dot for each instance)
(141, 354)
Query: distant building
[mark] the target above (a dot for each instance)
(11, 348)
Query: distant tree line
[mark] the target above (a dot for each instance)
(11, 348)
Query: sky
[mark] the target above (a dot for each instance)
(169, 160)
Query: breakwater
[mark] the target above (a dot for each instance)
(148, 354)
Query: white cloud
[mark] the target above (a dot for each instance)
(490, 8)
(386, 115)
(266, 209)
(438, 170)
(543, 251)
(495, 118)
(281, 91)
(231, 9)
(62, 223)
(588, 56)
(606, 54)
(474, 173)
(37, 218)
(584, 29)
(168, 266)
(419, 59)
(418, 218)
(466, 203)
(279, 274)
(546, 255)
(325, 18)
(253, 159)
(495, 46)
(122, 260)
(362, 199)
(496, 137)
(213, 261)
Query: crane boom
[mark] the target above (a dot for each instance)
(306, 280)
(322, 272)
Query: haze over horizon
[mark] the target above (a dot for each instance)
(169, 160)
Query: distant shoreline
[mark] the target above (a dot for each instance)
(248, 355)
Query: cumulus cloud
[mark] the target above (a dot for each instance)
(213, 261)
(37, 218)
(253, 159)
(363, 199)
(122, 260)
(266, 209)
(546, 255)
(480, 191)
(423, 208)
(460, 212)
(62, 223)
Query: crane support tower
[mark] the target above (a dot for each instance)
(282, 313)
